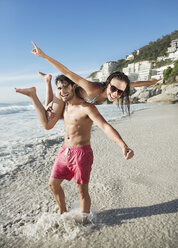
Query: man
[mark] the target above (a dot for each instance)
(76, 156)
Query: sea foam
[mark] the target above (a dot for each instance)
(60, 227)
(11, 109)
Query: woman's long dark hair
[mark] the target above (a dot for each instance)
(124, 100)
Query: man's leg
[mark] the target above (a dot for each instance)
(85, 201)
(49, 91)
(58, 193)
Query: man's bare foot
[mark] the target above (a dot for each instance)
(46, 77)
(27, 91)
(82, 219)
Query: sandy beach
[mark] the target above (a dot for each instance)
(134, 203)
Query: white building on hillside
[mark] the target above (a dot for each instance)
(139, 71)
(130, 57)
(174, 46)
(106, 69)
(173, 56)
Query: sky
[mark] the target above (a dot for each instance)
(82, 35)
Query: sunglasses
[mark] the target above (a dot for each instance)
(114, 89)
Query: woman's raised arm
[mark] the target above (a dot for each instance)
(91, 88)
(143, 83)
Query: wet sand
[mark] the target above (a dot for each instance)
(134, 203)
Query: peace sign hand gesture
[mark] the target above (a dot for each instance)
(37, 51)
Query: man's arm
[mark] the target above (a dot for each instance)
(54, 112)
(90, 87)
(112, 133)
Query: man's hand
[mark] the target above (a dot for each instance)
(57, 95)
(128, 153)
(37, 51)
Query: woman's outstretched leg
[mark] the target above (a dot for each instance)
(58, 106)
(51, 98)
(49, 91)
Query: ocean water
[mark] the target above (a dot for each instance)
(20, 130)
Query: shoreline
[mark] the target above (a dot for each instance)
(17, 144)
(135, 201)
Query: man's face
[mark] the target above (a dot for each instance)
(66, 90)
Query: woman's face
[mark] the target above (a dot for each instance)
(115, 89)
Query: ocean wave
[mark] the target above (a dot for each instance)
(14, 109)
(16, 153)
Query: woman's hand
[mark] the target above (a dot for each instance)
(37, 51)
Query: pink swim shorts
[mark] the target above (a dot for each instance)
(73, 161)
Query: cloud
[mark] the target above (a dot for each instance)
(32, 77)
(82, 73)
(18, 78)
(86, 73)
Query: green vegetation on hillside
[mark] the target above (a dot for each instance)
(170, 73)
(121, 64)
(156, 49)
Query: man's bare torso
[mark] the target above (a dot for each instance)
(77, 124)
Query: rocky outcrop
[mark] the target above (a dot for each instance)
(169, 94)
(159, 93)
(163, 98)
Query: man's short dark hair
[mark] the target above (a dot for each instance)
(63, 78)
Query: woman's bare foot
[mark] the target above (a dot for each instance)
(27, 91)
(46, 77)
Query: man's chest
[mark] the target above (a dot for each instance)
(73, 115)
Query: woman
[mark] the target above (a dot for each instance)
(116, 86)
